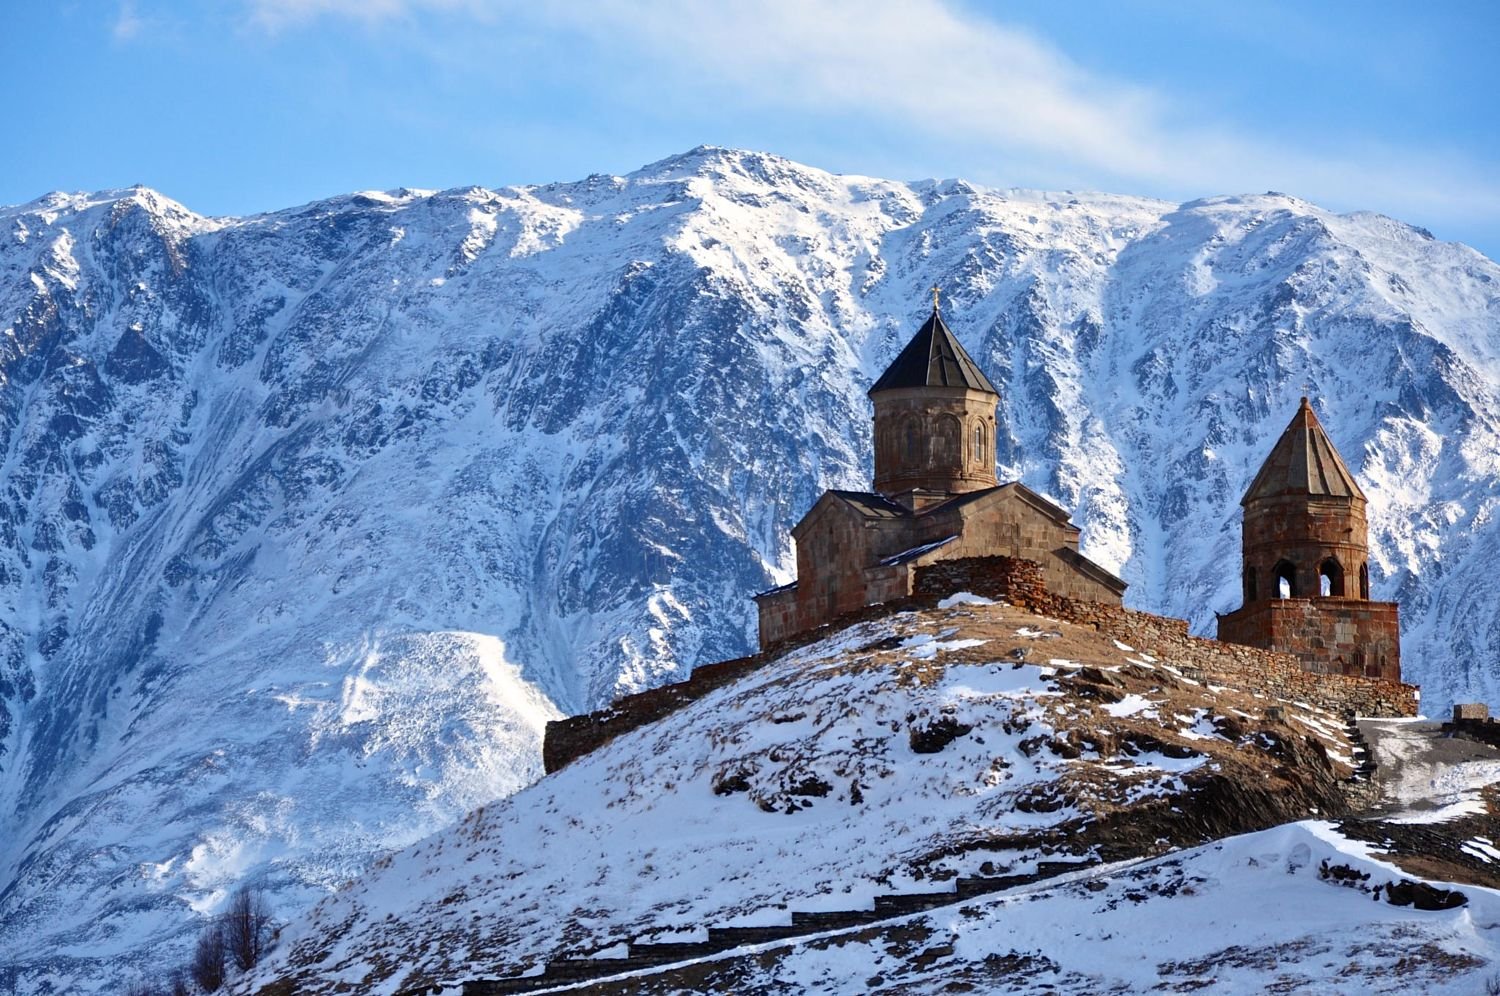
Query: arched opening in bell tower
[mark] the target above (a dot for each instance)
(1286, 579)
(1331, 579)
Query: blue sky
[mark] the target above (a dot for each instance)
(238, 106)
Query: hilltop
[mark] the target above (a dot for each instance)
(971, 742)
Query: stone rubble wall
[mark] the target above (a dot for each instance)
(568, 739)
(1020, 583)
(1268, 672)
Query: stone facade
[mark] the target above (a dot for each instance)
(1305, 553)
(850, 556)
(1305, 539)
(1328, 635)
(936, 498)
(933, 442)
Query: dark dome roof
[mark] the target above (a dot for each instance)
(933, 358)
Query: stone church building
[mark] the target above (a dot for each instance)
(935, 497)
(1306, 571)
(1306, 574)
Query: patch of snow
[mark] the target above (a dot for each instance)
(1130, 705)
(964, 598)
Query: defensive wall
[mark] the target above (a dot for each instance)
(1020, 583)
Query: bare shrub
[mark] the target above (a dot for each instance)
(209, 959)
(247, 927)
(177, 983)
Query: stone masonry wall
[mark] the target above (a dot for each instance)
(807, 606)
(1329, 635)
(1009, 523)
(1283, 675)
(1020, 583)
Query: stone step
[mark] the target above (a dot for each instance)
(577, 969)
(901, 904)
(675, 950)
(733, 937)
(1051, 869)
(505, 987)
(834, 919)
(979, 885)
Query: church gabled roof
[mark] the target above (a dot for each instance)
(933, 358)
(1303, 462)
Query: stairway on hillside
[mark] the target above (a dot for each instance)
(643, 955)
(1364, 758)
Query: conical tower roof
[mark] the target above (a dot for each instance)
(933, 358)
(1303, 462)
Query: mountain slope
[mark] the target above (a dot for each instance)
(896, 757)
(311, 519)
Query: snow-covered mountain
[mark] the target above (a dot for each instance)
(310, 520)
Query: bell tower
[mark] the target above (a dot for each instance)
(1305, 555)
(1304, 531)
(934, 420)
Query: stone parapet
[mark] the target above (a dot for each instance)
(1348, 636)
(1252, 668)
(1020, 583)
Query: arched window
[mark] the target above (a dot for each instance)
(1250, 593)
(1331, 579)
(1364, 581)
(1286, 579)
(980, 457)
(912, 452)
(947, 443)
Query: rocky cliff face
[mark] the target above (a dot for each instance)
(310, 520)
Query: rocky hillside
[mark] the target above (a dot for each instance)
(920, 754)
(309, 520)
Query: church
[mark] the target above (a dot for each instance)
(1305, 552)
(935, 497)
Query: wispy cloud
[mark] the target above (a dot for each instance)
(276, 15)
(128, 23)
(946, 72)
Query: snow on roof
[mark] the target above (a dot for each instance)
(908, 555)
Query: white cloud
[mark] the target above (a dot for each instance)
(274, 15)
(128, 24)
(949, 73)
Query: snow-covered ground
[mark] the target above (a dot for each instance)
(813, 784)
(1249, 915)
(1426, 776)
